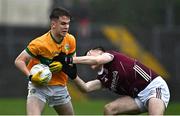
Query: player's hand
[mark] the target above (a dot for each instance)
(70, 70)
(55, 66)
(63, 58)
(36, 79)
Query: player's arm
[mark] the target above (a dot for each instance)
(93, 60)
(20, 62)
(87, 86)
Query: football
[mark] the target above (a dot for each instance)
(45, 71)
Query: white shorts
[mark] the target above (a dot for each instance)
(156, 89)
(53, 95)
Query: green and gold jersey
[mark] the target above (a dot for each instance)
(45, 48)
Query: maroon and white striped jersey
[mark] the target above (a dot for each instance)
(125, 76)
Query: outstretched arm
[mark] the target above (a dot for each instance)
(93, 60)
(87, 86)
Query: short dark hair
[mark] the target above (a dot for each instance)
(57, 12)
(96, 48)
(99, 48)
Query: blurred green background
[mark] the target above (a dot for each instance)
(90, 107)
(146, 30)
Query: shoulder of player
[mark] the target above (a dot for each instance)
(41, 39)
(69, 36)
(115, 53)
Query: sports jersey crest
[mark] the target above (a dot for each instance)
(67, 47)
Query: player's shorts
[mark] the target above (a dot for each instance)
(53, 95)
(156, 89)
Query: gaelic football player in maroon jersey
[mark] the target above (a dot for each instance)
(141, 89)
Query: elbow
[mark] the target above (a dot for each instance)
(15, 62)
(85, 90)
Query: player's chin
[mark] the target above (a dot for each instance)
(63, 34)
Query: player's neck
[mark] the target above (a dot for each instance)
(56, 37)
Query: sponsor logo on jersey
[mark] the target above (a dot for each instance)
(114, 80)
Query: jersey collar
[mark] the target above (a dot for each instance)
(55, 39)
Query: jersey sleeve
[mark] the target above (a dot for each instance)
(33, 48)
(72, 43)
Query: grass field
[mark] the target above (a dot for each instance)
(91, 107)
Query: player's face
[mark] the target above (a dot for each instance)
(94, 53)
(61, 26)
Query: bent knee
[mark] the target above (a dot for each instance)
(109, 109)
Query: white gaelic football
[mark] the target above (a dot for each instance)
(45, 71)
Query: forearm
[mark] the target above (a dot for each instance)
(87, 86)
(81, 85)
(85, 60)
(22, 67)
(20, 62)
(93, 60)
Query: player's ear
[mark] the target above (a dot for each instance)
(53, 23)
(53, 26)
